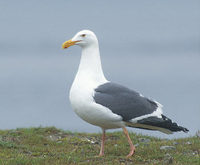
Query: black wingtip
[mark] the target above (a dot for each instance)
(184, 129)
(174, 126)
(163, 122)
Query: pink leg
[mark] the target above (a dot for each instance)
(132, 147)
(102, 142)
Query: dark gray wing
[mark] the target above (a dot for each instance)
(123, 101)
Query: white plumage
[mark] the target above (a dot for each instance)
(109, 105)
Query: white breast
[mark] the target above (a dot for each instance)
(88, 78)
(81, 98)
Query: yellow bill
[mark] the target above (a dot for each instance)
(68, 43)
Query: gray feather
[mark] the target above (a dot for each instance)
(123, 101)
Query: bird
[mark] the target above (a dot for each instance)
(110, 105)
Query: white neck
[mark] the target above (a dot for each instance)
(90, 65)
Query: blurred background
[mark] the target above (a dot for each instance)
(150, 46)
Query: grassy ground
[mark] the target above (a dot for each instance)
(53, 146)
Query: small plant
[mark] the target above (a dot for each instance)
(53, 146)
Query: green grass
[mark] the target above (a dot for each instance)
(53, 146)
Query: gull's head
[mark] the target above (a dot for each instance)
(83, 38)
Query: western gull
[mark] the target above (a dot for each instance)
(109, 105)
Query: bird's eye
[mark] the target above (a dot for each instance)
(83, 35)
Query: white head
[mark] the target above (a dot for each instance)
(83, 38)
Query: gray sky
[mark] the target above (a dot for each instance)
(148, 45)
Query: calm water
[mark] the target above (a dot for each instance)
(34, 91)
(149, 46)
